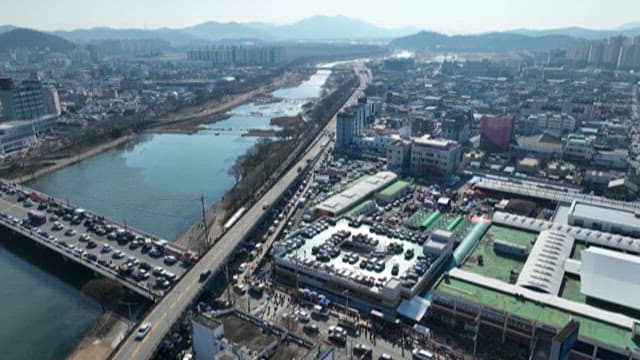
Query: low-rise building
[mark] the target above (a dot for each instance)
(529, 165)
(605, 219)
(435, 155)
(398, 155)
(579, 148)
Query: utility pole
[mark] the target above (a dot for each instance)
(226, 271)
(204, 221)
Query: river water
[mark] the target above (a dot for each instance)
(152, 183)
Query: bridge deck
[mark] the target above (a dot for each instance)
(91, 253)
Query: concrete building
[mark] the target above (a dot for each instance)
(207, 335)
(578, 147)
(23, 102)
(457, 128)
(603, 218)
(51, 100)
(19, 135)
(496, 133)
(562, 123)
(399, 155)
(610, 276)
(368, 279)
(529, 165)
(240, 55)
(349, 126)
(434, 155)
(355, 194)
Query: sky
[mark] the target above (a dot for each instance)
(450, 16)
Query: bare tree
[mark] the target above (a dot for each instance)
(105, 291)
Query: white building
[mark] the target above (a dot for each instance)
(556, 122)
(436, 155)
(610, 276)
(207, 335)
(349, 126)
(578, 147)
(604, 219)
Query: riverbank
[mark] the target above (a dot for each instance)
(184, 121)
(212, 112)
(54, 165)
(100, 341)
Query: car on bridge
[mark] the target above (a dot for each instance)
(143, 330)
(204, 275)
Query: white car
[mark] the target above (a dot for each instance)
(303, 316)
(422, 354)
(143, 330)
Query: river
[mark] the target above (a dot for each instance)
(152, 183)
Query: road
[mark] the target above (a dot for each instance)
(73, 246)
(169, 309)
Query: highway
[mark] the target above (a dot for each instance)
(168, 310)
(104, 254)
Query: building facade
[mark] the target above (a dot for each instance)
(350, 123)
(434, 155)
(496, 133)
(24, 102)
(240, 55)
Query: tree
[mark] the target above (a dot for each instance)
(105, 291)
(236, 170)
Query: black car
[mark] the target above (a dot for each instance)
(204, 275)
(311, 328)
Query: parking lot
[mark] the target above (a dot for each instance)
(139, 260)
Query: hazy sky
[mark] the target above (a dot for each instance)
(443, 15)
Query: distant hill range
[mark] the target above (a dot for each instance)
(495, 42)
(33, 40)
(317, 28)
(632, 29)
(313, 28)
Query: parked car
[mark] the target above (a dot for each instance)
(311, 328)
(170, 260)
(421, 354)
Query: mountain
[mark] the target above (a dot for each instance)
(6, 28)
(175, 37)
(629, 26)
(214, 31)
(313, 28)
(32, 39)
(497, 42)
(323, 27)
(631, 29)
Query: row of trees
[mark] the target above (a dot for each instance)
(261, 164)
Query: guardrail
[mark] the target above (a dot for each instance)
(106, 272)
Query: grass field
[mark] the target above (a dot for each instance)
(571, 289)
(494, 265)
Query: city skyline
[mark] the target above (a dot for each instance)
(456, 16)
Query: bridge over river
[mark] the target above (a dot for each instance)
(140, 261)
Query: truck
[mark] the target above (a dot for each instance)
(37, 218)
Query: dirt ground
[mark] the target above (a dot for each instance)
(246, 334)
(289, 351)
(100, 341)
